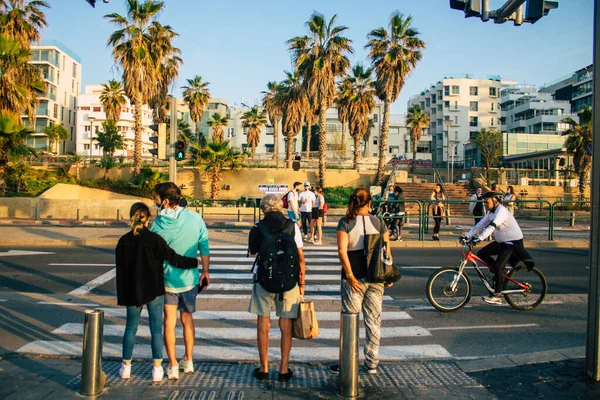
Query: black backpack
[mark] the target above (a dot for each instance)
(278, 264)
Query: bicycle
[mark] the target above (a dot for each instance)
(450, 288)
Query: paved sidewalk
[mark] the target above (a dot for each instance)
(549, 374)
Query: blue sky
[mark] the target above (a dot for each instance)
(239, 45)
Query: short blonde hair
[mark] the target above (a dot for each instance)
(270, 203)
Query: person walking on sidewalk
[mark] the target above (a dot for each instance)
(274, 230)
(397, 210)
(437, 209)
(509, 200)
(291, 199)
(357, 292)
(476, 208)
(307, 199)
(140, 280)
(318, 214)
(186, 233)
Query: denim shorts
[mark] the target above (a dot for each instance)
(292, 216)
(185, 301)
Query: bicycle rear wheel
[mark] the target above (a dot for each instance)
(440, 293)
(529, 298)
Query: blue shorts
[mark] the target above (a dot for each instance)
(292, 216)
(185, 301)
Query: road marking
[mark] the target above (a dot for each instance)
(244, 253)
(246, 316)
(56, 303)
(94, 283)
(331, 297)
(242, 247)
(242, 333)
(12, 253)
(309, 277)
(239, 353)
(248, 287)
(251, 259)
(462, 328)
(81, 265)
(1, 300)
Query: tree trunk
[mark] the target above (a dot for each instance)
(308, 138)
(322, 142)
(198, 132)
(214, 185)
(344, 125)
(276, 141)
(289, 147)
(356, 152)
(137, 127)
(385, 128)
(2, 180)
(414, 146)
(77, 170)
(582, 180)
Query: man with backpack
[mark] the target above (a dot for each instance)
(279, 273)
(290, 201)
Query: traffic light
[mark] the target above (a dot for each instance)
(472, 8)
(179, 150)
(537, 9)
(160, 150)
(93, 2)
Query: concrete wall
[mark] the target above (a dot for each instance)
(65, 191)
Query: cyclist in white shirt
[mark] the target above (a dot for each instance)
(306, 199)
(508, 241)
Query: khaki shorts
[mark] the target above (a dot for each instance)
(261, 302)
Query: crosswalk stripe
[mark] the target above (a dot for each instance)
(239, 353)
(309, 247)
(250, 260)
(246, 316)
(244, 252)
(309, 277)
(242, 333)
(248, 287)
(91, 285)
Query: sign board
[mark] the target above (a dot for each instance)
(273, 189)
(589, 149)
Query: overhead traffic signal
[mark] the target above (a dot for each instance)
(93, 2)
(179, 150)
(160, 139)
(472, 8)
(537, 9)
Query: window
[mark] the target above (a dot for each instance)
(455, 89)
(472, 134)
(427, 102)
(455, 120)
(433, 99)
(447, 104)
(74, 70)
(55, 110)
(375, 118)
(87, 128)
(473, 91)
(473, 121)
(85, 109)
(375, 139)
(86, 147)
(433, 111)
(62, 113)
(97, 109)
(446, 90)
(456, 105)
(474, 106)
(69, 116)
(230, 132)
(58, 77)
(492, 106)
(65, 99)
(492, 91)
(492, 121)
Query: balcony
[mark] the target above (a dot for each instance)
(581, 93)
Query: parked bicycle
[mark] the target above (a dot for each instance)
(450, 288)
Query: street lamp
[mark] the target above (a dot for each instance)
(91, 119)
(452, 144)
(448, 123)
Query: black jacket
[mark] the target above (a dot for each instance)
(140, 274)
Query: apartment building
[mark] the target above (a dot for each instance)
(469, 104)
(61, 71)
(91, 115)
(215, 105)
(576, 88)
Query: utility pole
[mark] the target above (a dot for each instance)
(592, 351)
(173, 142)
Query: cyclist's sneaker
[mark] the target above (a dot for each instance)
(493, 299)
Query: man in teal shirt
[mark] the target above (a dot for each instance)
(186, 233)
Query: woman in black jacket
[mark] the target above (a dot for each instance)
(140, 281)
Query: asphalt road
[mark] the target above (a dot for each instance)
(35, 301)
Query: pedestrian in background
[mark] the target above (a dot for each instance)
(306, 199)
(261, 302)
(357, 293)
(186, 233)
(318, 213)
(509, 199)
(292, 203)
(140, 282)
(437, 209)
(397, 210)
(476, 207)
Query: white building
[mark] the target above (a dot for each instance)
(90, 113)
(469, 104)
(61, 70)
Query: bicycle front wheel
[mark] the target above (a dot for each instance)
(447, 291)
(534, 292)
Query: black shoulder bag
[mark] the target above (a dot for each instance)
(380, 268)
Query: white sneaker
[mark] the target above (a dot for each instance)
(125, 371)
(158, 373)
(319, 243)
(173, 373)
(492, 299)
(186, 366)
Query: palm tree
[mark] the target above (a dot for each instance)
(361, 100)
(343, 108)
(112, 99)
(579, 137)
(23, 20)
(321, 57)
(272, 103)
(416, 121)
(12, 144)
(311, 114)
(394, 54)
(196, 95)
(214, 158)
(77, 159)
(135, 48)
(217, 123)
(254, 120)
(294, 104)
